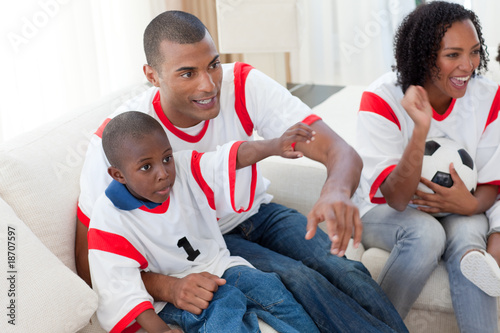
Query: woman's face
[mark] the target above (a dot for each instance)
(457, 59)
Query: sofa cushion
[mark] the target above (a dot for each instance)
(46, 296)
(436, 293)
(40, 171)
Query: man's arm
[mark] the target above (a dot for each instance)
(82, 252)
(334, 206)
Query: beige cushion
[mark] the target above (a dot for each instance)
(49, 297)
(436, 293)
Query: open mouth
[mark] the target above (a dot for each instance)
(206, 103)
(460, 81)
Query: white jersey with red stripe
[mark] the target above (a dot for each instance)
(176, 238)
(249, 101)
(384, 129)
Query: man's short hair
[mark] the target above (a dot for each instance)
(175, 26)
(128, 125)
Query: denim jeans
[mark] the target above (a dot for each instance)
(417, 241)
(247, 295)
(339, 294)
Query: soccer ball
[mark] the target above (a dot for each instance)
(439, 153)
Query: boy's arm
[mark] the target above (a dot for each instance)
(191, 293)
(251, 152)
(152, 323)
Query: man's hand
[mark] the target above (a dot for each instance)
(334, 205)
(341, 217)
(194, 292)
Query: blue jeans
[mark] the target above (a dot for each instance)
(417, 241)
(338, 294)
(247, 295)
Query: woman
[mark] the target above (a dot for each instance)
(434, 93)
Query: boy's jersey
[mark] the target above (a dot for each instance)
(384, 129)
(249, 100)
(176, 238)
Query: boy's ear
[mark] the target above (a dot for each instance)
(116, 174)
(151, 75)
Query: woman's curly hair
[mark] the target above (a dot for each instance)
(498, 56)
(418, 41)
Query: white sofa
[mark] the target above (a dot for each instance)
(39, 186)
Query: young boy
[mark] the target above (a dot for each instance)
(143, 223)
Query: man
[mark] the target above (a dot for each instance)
(202, 104)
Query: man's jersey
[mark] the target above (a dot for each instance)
(176, 238)
(249, 100)
(384, 129)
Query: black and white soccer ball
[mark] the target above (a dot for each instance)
(439, 153)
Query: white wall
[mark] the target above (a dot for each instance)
(56, 55)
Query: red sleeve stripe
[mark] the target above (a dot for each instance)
(494, 182)
(309, 120)
(121, 326)
(113, 243)
(196, 171)
(495, 108)
(376, 184)
(241, 71)
(132, 328)
(174, 130)
(233, 155)
(82, 217)
(371, 102)
(101, 128)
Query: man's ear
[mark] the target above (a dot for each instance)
(116, 174)
(151, 75)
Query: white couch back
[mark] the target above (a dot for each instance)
(40, 171)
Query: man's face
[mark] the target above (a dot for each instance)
(148, 170)
(189, 79)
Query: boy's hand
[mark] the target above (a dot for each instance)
(299, 132)
(194, 292)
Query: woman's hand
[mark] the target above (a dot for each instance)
(457, 199)
(417, 105)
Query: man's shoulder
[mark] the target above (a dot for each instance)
(142, 102)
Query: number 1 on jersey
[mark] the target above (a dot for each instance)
(192, 253)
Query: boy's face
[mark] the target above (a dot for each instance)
(147, 168)
(189, 79)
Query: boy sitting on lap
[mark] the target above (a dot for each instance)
(143, 223)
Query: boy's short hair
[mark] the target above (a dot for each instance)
(131, 124)
(175, 26)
